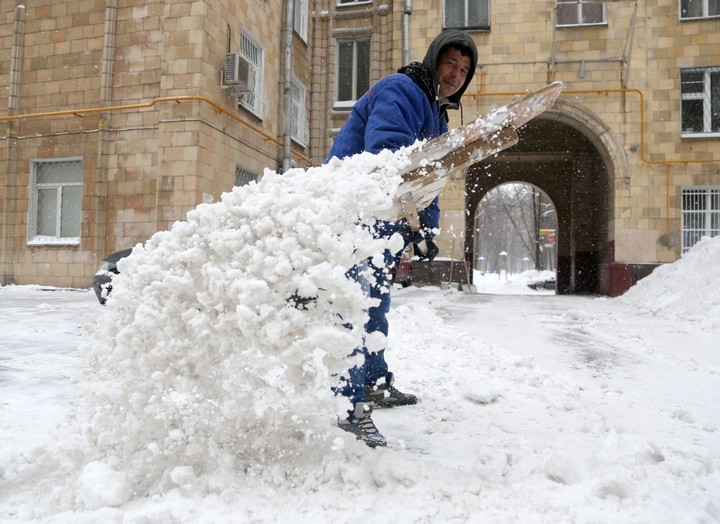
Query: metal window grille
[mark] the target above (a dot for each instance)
(243, 176)
(700, 214)
(251, 49)
(298, 114)
(574, 12)
(56, 200)
(700, 100)
(467, 14)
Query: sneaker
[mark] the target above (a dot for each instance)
(387, 396)
(361, 425)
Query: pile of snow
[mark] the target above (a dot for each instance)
(685, 289)
(216, 354)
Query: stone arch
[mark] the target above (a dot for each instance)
(577, 160)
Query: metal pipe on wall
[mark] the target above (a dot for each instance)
(407, 11)
(8, 183)
(287, 84)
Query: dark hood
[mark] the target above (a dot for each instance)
(458, 38)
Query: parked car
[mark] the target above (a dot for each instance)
(103, 278)
(402, 272)
(548, 283)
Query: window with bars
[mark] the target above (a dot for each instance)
(700, 214)
(251, 49)
(298, 114)
(467, 14)
(574, 13)
(699, 9)
(700, 101)
(353, 72)
(55, 201)
(244, 176)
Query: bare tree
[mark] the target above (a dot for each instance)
(510, 219)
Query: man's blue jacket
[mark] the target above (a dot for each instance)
(402, 108)
(401, 114)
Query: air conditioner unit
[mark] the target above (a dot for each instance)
(239, 73)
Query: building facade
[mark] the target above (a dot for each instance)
(630, 153)
(120, 118)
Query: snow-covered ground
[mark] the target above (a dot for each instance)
(200, 394)
(535, 408)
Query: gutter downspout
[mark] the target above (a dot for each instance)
(287, 84)
(100, 194)
(407, 11)
(8, 184)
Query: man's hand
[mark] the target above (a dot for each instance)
(430, 251)
(423, 246)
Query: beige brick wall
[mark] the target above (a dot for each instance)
(144, 168)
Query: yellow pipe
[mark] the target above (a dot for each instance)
(605, 92)
(178, 99)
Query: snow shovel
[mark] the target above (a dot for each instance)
(431, 164)
(467, 287)
(448, 284)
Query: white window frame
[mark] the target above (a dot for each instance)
(57, 238)
(253, 51)
(341, 3)
(705, 10)
(704, 219)
(354, 81)
(483, 5)
(298, 114)
(300, 22)
(706, 96)
(579, 14)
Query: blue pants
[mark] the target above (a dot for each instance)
(375, 281)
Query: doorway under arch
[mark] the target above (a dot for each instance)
(515, 227)
(556, 157)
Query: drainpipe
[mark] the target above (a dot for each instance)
(287, 84)
(407, 11)
(98, 233)
(16, 59)
(8, 192)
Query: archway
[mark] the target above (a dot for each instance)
(572, 157)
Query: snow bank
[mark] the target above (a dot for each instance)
(217, 351)
(685, 289)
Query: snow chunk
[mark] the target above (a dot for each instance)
(102, 486)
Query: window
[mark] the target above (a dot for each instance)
(243, 176)
(56, 201)
(353, 74)
(468, 14)
(300, 24)
(575, 12)
(298, 112)
(699, 8)
(700, 101)
(700, 214)
(345, 2)
(251, 49)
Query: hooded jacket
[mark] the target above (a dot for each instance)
(403, 107)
